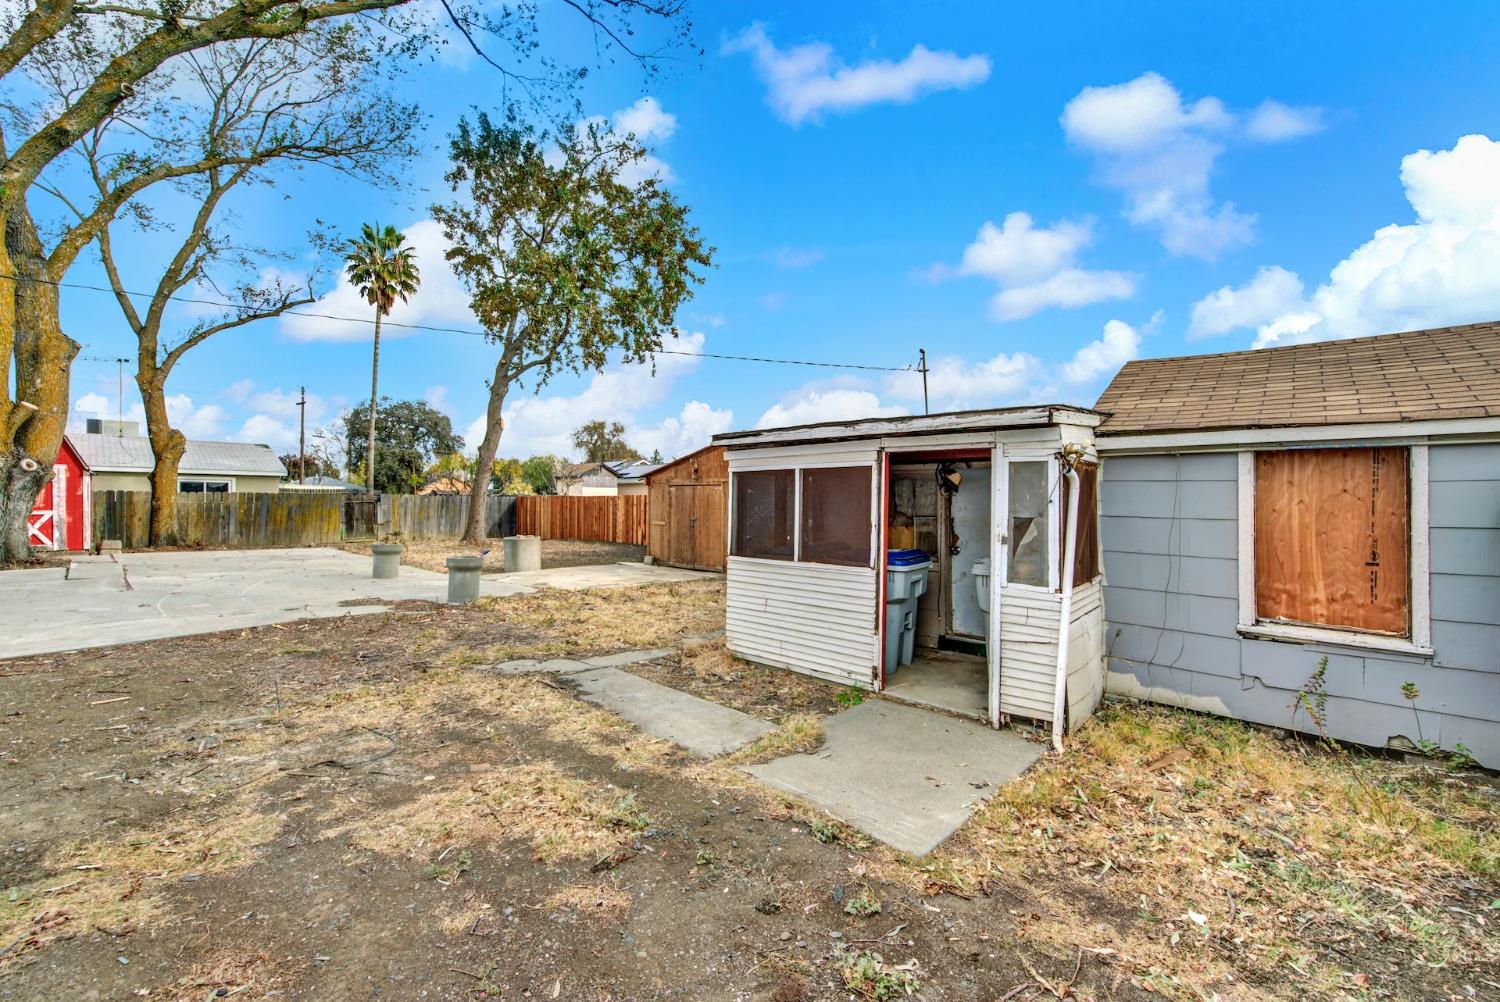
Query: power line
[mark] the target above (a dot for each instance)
(457, 330)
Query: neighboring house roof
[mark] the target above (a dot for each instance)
(1446, 372)
(132, 454)
(631, 469)
(445, 485)
(326, 482)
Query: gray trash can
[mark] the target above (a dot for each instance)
(387, 559)
(463, 579)
(905, 584)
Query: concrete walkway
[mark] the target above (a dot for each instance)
(704, 728)
(906, 776)
(101, 601)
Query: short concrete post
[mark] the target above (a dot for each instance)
(523, 553)
(463, 579)
(387, 559)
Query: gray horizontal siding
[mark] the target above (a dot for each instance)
(1170, 540)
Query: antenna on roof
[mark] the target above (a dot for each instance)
(922, 368)
(120, 425)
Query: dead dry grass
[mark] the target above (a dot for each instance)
(251, 975)
(707, 669)
(113, 885)
(560, 816)
(797, 734)
(603, 899)
(1233, 854)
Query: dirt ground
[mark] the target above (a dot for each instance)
(429, 554)
(359, 808)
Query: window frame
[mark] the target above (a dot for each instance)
(1001, 530)
(228, 483)
(796, 467)
(1419, 639)
(796, 515)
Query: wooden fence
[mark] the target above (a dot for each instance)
(303, 518)
(603, 519)
(239, 521)
(441, 516)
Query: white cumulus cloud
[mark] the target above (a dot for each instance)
(1119, 343)
(441, 300)
(1272, 292)
(1036, 267)
(956, 383)
(826, 401)
(622, 392)
(1442, 268)
(1274, 122)
(1161, 151)
(804, 81)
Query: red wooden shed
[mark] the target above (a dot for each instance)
(60, 518)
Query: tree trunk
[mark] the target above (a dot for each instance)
(167, 446)
(494, 425)
(34, 422)
(374, 386)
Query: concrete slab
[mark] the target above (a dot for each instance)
(705, 729)
(628, 658)
(99, 601)
(531, 666)
(906, 776)
(958, 683)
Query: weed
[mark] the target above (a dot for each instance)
(868, 975)
(850, 696)
(799, 733)
(446, 870)
(626, 814)
(830, 831)
(707, 857)
(863, 905)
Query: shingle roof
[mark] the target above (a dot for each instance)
(1446, 372)
(132, 453)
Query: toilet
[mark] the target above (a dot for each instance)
(981, 574)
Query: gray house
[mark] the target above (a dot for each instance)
(1264, 510)
(119, 459)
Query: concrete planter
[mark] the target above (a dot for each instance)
(523, 553)
(463, 579)
(387, 559)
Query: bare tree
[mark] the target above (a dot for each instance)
(113, 54)
(277, 106)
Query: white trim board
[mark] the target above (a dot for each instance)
(1418, 643)
(1389, 433)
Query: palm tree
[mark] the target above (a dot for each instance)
(383, 270)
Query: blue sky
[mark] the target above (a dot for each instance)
(1035, 194)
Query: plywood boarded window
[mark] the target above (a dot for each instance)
(836, 523)
(764, 513)
(1333, 538)
(1086, 554)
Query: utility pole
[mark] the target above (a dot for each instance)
(922, 368)
(302, 438)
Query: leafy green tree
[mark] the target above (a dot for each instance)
(503, 472)
(409, 435)
(454, 466)
(601, 441)
(541, 473)
(384, 270)
(567, 263)
(656, 457)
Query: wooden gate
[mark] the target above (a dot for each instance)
(697, 536)
(361, 515)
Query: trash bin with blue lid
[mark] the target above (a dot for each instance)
(905, 584)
